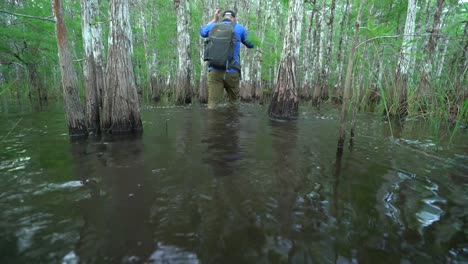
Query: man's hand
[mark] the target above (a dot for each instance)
(216, 15)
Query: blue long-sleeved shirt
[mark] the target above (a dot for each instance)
(239, 32)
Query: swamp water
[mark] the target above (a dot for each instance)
(231, 186)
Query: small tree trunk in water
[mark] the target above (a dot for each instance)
(319, 46)
(347, 86)
(184, 73)
(121, 110)
(285, 103)
(328, 53)
(399, 95)
(337, 88)
(307, 57)
(73, 108)
(88, 17)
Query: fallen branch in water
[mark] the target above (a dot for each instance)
(3, 139)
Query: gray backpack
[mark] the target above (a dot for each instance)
(219, 46)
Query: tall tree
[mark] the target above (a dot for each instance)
(75, 115)
(121, 109)
(328, 52)
(348, 80)
(337, 88)
(319, 41)
(285, 103)
(184, 72)
(93, 68)
(429, 50)
(307, 55)
(399, 94)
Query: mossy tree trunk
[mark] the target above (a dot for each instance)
(285, 102)
(121, 109)
(74, 110)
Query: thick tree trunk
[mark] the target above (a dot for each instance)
(75, 116)
(92, 71)
(285, 103)
(399, 102)
(121, 110)
(347, 86)
(184, 72)
(427, 65)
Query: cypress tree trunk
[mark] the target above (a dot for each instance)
(317, 54)
(328, 53)
(184, 72)
(150, 54)
(257, 61)
(399, 95)
(347, 86)
(307, 57)
(75, 116)
(285, 103)
(427, 65)
(247, 87)
(90, 71)
(337, 89)
(121, 110)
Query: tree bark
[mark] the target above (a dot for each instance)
(427, 65)
(399, 95)
(337, 88)
(347, 86)
(92, 70)
(75, 115)
(121, 110)
(184, 72)
(328, 53)
(307, 57)
(285, 103)
(318, 58)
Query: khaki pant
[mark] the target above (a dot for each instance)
(217, 83)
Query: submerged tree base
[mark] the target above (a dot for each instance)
(79, 130)
(284, 109)
(129, 126)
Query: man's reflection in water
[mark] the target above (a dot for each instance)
(222, 138)
(228, 231)
(115, 218)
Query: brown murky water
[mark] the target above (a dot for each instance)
(229, 185)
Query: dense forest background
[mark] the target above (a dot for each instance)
(410, 56)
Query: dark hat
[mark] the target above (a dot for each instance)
(229, 12)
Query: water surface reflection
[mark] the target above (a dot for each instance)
(229, 185)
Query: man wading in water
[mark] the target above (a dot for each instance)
(222, 53)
